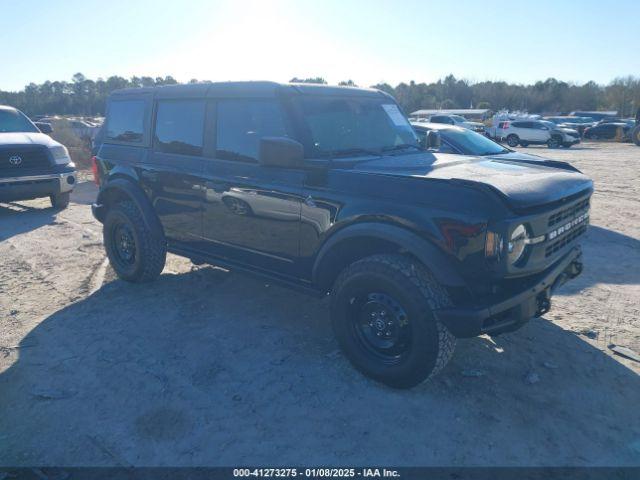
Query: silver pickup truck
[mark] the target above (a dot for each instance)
(32, 164)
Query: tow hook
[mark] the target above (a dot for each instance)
(543, 303)
(575, 269)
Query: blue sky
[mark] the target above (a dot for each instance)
(367, 41)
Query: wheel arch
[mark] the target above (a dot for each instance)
(122, 188)
(358, 241)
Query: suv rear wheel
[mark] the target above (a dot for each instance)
(382, 315)
(513, 140)
(135, 253)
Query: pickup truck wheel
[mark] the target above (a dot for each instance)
(382, 315)
(135, 253)
(60, 201)
(635, 135)
(513, 140)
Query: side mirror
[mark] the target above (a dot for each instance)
(433, 140)
(280, 152)
(44, 127)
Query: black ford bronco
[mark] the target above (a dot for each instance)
(32, 164)
(328, 190)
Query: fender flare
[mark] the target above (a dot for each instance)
(433, 257)
(136, 194)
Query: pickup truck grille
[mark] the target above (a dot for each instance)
(16, 161)
(569, 213)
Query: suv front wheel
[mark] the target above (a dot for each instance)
(382, 315)
(135, 253)
(554, 142)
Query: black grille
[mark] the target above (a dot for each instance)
(30, 158)
(565, 240)
(569, 213)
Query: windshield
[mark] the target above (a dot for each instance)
(351, 126)
(548, 124)
(458, 118)
(15, 121)
(471, 143)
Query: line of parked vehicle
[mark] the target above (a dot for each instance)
(555, 132)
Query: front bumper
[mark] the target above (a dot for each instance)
(511, 313)
(36, 186)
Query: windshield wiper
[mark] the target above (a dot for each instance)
(401, 146)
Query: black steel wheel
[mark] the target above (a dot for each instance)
(381, 325)
(381, 312)
(136, 253)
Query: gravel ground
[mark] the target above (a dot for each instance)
(209, 367)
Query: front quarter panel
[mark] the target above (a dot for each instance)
(450, 215)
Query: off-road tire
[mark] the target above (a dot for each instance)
(419, 293)
(60, 201)
(513, 140)
(150, 248)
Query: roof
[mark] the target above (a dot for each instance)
(235, 89)
(457, 111)
(7, 107)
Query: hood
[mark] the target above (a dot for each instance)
(474, 124)
(26, 138)
(521, 185)
(566, 130)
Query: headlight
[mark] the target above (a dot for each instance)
(60, 155)
(516, 245)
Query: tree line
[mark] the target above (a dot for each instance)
(83, 96)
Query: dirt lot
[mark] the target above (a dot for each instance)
(208, 367)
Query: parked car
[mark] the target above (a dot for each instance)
(536, 132)
(414, 248)
(575, 123)
(32, 164)
(608, 131)
(459, 121)
(461, 141)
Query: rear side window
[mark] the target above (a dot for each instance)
(125, 122)
(179, 127)
(242, 123)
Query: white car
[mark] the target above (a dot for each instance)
(458, 121)
(536, 132)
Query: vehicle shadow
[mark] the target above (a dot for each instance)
(215, 368)
(609, 257)
(24, 216)
(17, 218)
